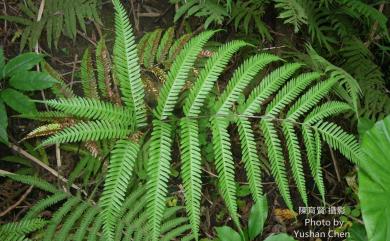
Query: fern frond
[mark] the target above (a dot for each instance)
(23, 227)
(208, 76)
(96, 226)
(171, 235)
(45, 115)
(295, 158)
(45, 203)
(368, 12)
(150, 50)
(343, 77)
(179, 73)
(165, 45)
(103, 69)
(330, 108)
(338, 139)
(158, 170)
(177, 46)
(85, 222)
(289, 92)
(59, 216)
(275, 155)
(92, 109)
(32, 181)
(60, 89)
(292, 12)
(240, 79)
(267, 87)
(88, 80)
(70, 221)
(250, 157)
(319, 28)
(313, 150)
(45, 130)
(116, 182)
(88, 131)
(127, 65)
(225, 166)
(191, 170)
(310, 99)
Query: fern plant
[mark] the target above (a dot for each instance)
(244, 15)
(285, 104)
(58, 17)
(327, 20)
(82, 219)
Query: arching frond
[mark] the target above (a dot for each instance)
(178, 74)
(92, 109)
(85, 222)
(119, 172)
(127, 67)
(240, 79)
(17, 230)
(45, 203)
(225, 166)
(59, 216)
(292, 12)
(88, 79)
(310, 99)
(295, 158)
(32, 181)
(70, 221)
(250, 157)
(151, 48)
(275, 155)
(165, 45)
(191, 170)
(208, 76)
(158, 174)
(338, 139)
(289, 92)
(313, 149)
(267, 87)
(330, 108)
(88, 131)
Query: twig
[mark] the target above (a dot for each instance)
(336, 168)
(58, 157)
(42, 164)
(73, 71)
(86, 38)
(374, 28)
(135, 17)
(21, 199)
(149, 15)
(39, 17)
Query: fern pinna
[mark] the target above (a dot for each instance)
(286, 104)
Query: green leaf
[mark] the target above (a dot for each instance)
(3, 123)
(364, 125)
(280, 237)
(31, 80)
(228, 234)
(257, 217)
(374, 182)
(358, 233)
(18, 101)
(21, 62)
(2, 60)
